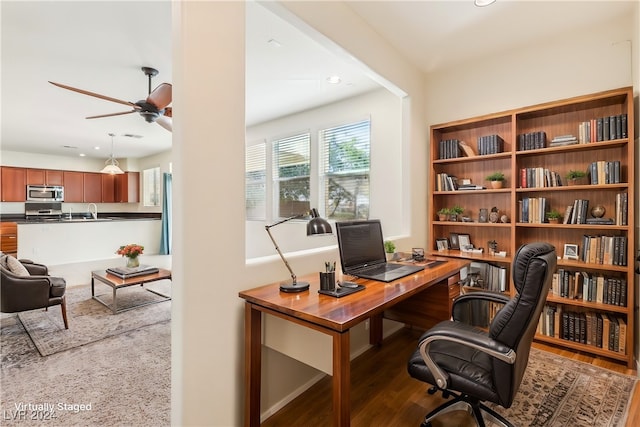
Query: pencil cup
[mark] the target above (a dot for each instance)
(328, 281)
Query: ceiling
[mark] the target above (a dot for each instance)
(100, 47)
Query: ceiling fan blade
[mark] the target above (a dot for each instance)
(97, 95)
(165, 122)
(161, 96)
(111, 115)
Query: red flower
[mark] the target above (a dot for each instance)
(130, 251)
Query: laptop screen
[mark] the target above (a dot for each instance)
(360, 243)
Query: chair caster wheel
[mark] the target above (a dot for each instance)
(432, 390)
(425, 424)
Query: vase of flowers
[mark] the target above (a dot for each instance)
(131, 252)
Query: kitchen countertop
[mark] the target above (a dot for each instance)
(82, 218)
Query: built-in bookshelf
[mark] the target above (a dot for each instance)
(535, 148)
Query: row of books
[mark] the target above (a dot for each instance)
(561, 140)
(602, 330)
(449, 149)
(577, 212)
(477, 313)
(446, 182)
(589, 287)
(604, 250)
(539, 177)
(603, 172)
(532, 140)
(603, 129)
(491, 277)
(622, 208)
(490, 144)
(532, 210)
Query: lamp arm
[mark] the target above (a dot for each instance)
(267, 227)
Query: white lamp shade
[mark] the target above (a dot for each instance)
(112, 169)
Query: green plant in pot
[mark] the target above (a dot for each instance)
(443, 214)
(553, 216)
(497, 179)
(455, 211)
(575, 177)
(390, 249)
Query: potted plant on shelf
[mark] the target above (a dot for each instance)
(390, 249)
(443, 214)
(553, 216)
(575, 177)
(496, 179)
(455, 211)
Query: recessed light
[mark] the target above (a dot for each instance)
(483, 3)
(96, 148)
(82, 155)
(334, 80)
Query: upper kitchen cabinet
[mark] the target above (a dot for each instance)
(92, 191)
(14, 184)
(44, 177)
(73, 186)
(128, 187)
(108, 188)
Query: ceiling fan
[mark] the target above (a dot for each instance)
(154, 109)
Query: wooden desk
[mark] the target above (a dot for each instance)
(332, 316)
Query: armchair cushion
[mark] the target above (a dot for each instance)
(16, 267)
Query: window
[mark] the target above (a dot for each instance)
(345, 170)
(256, 181)
(151, 186)
(291, 175)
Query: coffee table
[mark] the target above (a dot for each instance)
(116, 283)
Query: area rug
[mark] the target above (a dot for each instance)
(557, 391)
(90, 321)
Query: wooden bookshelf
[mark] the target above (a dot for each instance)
(558, 118)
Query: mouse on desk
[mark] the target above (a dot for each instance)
(346, 284)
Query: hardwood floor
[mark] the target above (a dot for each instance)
(383, 394)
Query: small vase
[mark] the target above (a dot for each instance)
(133, 262)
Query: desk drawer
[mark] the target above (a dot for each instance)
(428, 307)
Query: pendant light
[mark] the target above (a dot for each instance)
(111, 165)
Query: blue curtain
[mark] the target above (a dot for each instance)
(165, 236)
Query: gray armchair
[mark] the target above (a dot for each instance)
(38, 290)
(475, 365)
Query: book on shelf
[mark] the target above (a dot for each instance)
(602, 330)
(532, 140)
(603, 129)
(449, 149)
(621, 208)
(466, 149)
(604, 172)
(604, 250)
(127, 272)
(490, 144)
(539, 177)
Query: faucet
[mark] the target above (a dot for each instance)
(94, 213)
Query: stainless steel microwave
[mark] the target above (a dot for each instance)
(45, 193)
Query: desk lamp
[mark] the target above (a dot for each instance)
(315, 226)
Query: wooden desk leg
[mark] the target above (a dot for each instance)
(375, 330)
(341, 380)
(252, 365)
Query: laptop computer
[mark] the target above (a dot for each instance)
(361, 247)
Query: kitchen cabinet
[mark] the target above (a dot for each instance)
(108, 188)
(127, 187)
(73, 186)
(44, 177)
(92, 189)
(14, 184)
(9, 238)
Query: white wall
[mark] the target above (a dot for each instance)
(385, 111)
(208, 261)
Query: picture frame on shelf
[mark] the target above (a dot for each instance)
(570, 251)
(464, 241)
(442, 244)
(453, 241)
(417, 254)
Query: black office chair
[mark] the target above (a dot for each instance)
(475, 365)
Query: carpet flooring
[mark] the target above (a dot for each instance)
(90, 321)
(120, 379)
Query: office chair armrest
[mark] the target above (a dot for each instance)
(460, 303)
(463, 334)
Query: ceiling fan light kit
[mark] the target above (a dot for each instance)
(154, 107)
